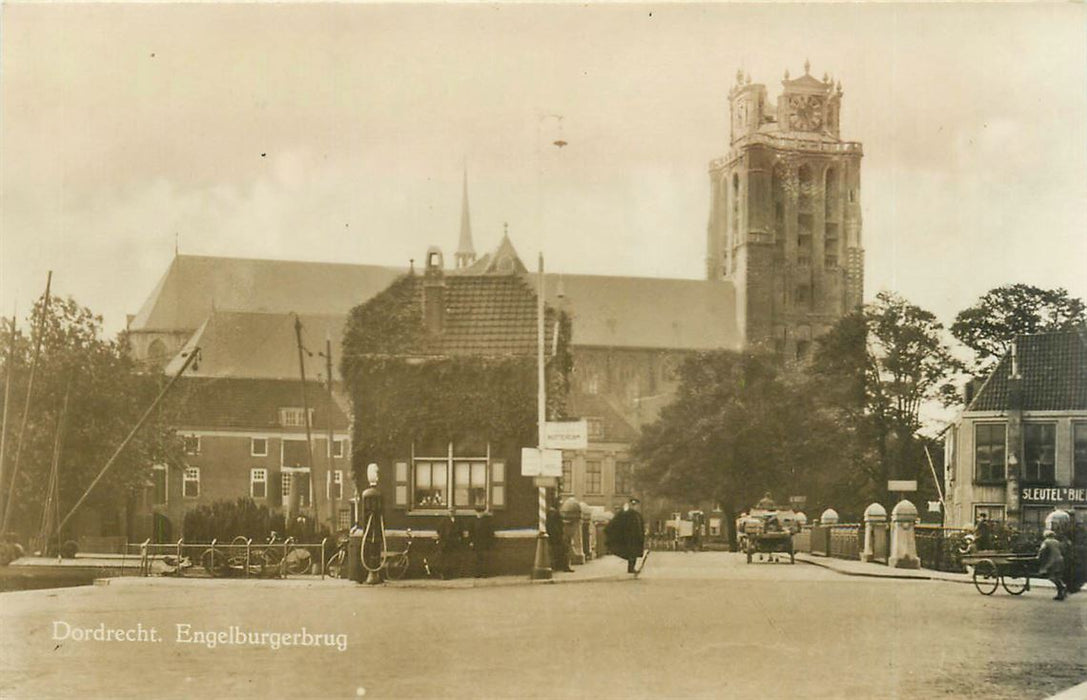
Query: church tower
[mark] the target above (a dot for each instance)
(466, 252)
(785, 215)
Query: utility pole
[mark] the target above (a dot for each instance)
(7, 401)
(124, 443)
(541, 568)
(51, 511)
(331, 435)
(305, 412)
(26, 405)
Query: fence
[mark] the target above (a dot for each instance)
(842, 541)
(240, 558)
(939, 547)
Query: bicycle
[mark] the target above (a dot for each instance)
(396, 564)
(334, 565)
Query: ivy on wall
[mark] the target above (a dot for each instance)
(400, 395)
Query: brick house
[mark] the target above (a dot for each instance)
(1019, 448)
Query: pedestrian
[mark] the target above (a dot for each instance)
(556, 539)
(983, 533)
(1051, 563)
(483, 540)
(447, 545)
(625, 534)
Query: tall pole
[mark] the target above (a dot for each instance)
(331, 435)
(305, 413)
(51, 511)
(26, 405)
(541, 568)
(7, 402)
(132, 433)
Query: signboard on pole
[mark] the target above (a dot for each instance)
(537, 462)
(567, 434)
(902, 485)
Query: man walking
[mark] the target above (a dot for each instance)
(1051, 563)
(625, 534)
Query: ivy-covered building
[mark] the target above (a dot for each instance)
(441, 373)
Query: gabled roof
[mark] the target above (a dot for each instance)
(247, 404)
(485, 315)
(1053, 368)
(194, 286)
(262, 345)
(647, 312)
(616, 428)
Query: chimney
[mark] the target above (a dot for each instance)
(434, 291)
(1015, 381)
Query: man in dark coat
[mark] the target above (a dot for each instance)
(1051, 563)
(556, 541)
(483, 541)
(625, 534)
(447, 545)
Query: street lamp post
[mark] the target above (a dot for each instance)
(541, 567)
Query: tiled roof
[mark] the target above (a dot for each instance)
(486, 315)
(262, 345)
(247, 404)
(194, 286)
(1053, 367)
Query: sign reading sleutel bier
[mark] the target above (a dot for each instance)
(1054, 495)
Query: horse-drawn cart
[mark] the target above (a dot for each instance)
(1011, 570)
(768, 530)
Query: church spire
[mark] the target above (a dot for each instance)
(466, 252)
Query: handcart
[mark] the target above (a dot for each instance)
(1012, 570)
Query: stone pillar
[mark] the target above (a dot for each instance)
(875, 541)
(571, 530)
(829, 517)
(903, 542)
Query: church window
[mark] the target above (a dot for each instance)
(831, 195)
(736, 237)
(804, 216)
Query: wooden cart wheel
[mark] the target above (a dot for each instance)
(986, 578)
(1015, 583)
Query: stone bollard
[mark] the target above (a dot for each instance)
(829, 517)
(903, 542)
(588, 532)
(571, 527)
(875, 533)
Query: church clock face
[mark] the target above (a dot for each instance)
(806, 113)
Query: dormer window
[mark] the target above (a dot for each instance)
(294, 417)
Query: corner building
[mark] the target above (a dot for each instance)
(785, 216)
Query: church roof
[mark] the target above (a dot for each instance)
(1053, 371)
(194, 286)
(648, 312)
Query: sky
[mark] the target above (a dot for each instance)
(342, 132)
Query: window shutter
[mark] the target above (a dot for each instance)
(498, 484)
(401, 474)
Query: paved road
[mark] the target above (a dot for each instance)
(694, 625)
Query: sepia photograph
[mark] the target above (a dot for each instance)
(543, 350)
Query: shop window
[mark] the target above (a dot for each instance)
(1079, 455)
(160, 483)
(431, 484)
(593, 472)
(469, 484)
(258, 447)
(1039, 452)
(993, 511)
(989, 451)
(567, 476)
(1033, 517)
(258, 483)
(191, 484)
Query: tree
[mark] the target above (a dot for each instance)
(876, 369)
(740, 426)
(989, 326)
(107, 395)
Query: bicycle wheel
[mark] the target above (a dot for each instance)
(986, 579)
(1015, 583)
(334, 566)
(214, 562)
(271, 560)
(396, 566)
(297, 561)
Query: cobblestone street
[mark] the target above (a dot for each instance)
(693, 625)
